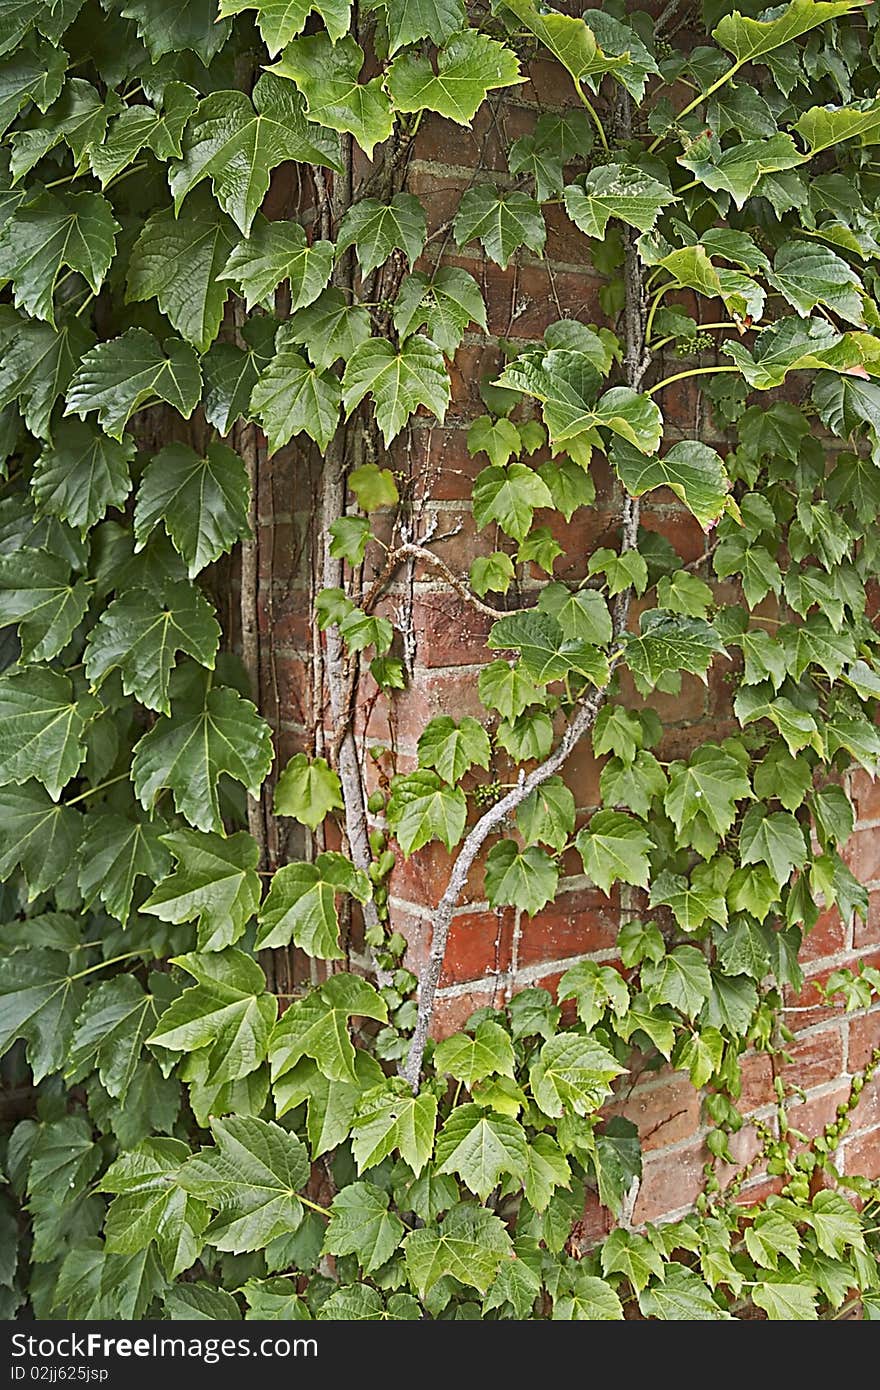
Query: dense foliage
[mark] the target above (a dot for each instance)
(178, 1144)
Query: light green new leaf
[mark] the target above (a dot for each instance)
(38, 835)
(361, 1224)
(376, 229)
(118, 377)
(140, 635)
(398, 380)
(667, 645)
(215, 883)
(787, 1300)
(467, 67)
(468, 1244)
(307, 790)
(390, 1117)
(251, 1179)
(178, 261)
(81, 474)
(614, 848)
(39, 593)
(277, 251)
(327, 75)
(836, 1224)
(709, 784)
(508, 689)
(42, 727)
(228, 1012)
(488, 1053)
(526, 878)
(292, 397)
(620, 191)
(422, 808)
(201, 502)
(444, 304)
(301, 905)
(748, 39)
(693, 471)
(631, 1255)
(797, 345)
(682, 1296)
(77, 231)
(509, 496)
(569, 39)
(151, 1206)
(589, 1299)
(451, 748)
(572, 1072)
(502, 221)
(114, 853)
(808, 274)
(823, 127)
(374, 487)
(480, 1147)
(595, 988)
(317, 1027)
(188, 752)
(281, 20)
(236, 141)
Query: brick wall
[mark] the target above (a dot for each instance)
(494, 954)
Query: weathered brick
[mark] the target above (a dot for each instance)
(863, 855)
(577, 923)
(816, 1058)
(861, 1154)
(666, 1110)
(826, 938)
(670, 1180)
(867, 933)
(864, 1037)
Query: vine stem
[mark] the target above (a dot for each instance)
(594, 116)
(699, 99)
(103, 964)
(102, 786)
(682, 376)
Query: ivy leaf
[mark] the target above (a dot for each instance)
(38, 835)
(236, 141)
(590, 1299)
(141, 126)
(488, 1053)
(692, 901)
(398, 380)
(188, 751)
(292, 397)
(669, 644)
(469, 1244)
(110, 1031)
(167, 27)
(835, 1223)
(36, 366)
(508, 689)
(77, 230)
(748, 39)
(376, 229)
(361, 1224)
(429, 19)
(569, 39)
(231, 373)
(329, 329)
(331, 1104)
(480, 1147)
(38, 592)
(468, 66)
(201, 502)
(277, 251)
(548, 1169)
(787, 1300)
(422, 808)
(681, 979)
(501, 220)
(317, 1027)
(738, 170)
(731, 1005)
(620, 191)
(775, 839)
(391, 1117)
(228, 1012)
(150, 1206)
(327, 74)
(572, 1072)
(281, 20)
(693, 471)
(215, 883)
(118, 377)
(443, 304)
(510, 497)
(808, 274)
(81, 474)
(114, 853)
(139, 635)
(35, 75)
(624, 1252)
(566, 382)
(308, 789)
(681, 1297)
(824, 126)
(42, 726)
(546, 654)
(374, 487)
(251, 1179)
(39, 1002)
(709, 784)
(179, 262)
(594, 987)
(301, 904)
(547, 814)
(614, 848)
(582, 615)
(526, 879)
(452, 749)
(795, 345)
(634, 785)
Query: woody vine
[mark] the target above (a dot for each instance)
(190, 1129)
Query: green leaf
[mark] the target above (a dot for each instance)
(281, 20)
(39, 1002)
(139, 636)
(292, 397)
(469, 1244)
(775, 839)
(634, 785)
(738, 170)
(709, 784)
(114, 853)
(480, 1147)
(468, 66)
(501, 220)
(771, 1235)
(429, 19)
(215, 884)
(681, 979)
(179, 262)
(38, 835)
(228, 1012)
(231, 373)
(488, 1053)
(510, 497)
(77, 230)
(317, 1027)
(681, 1297)
(118, 377)
(508, 689)
(590, 1300)
(619, 191)
(732, 1003)
(36, 366)
(391, 1117)
(793, 344)
(787, 1300)
(500, 439)
(546, 654)
(547, 1170)
(301, 904)
(151, 1207)
(140, 127)
(693, 471)
(42, 726)
(547, 815)
(307, 790)
(251, 1178)
(327, 74)
(38, 592)
(835, 1223)
(526, 879)
(398, 380)
(331, 1104)
(614, 848)
(582, 615)
(277, 251)
(451, 748)
(569, 39)
(808, 274)
(669, 644)
(374, 487)
(167, 27)
(631, 1255)
(110, 1031)
(81, 474)
(692, 901)
(444, 304)
(187, 753)
(328, 329)
(567, 383)
(748, 39)
(350, 536)
(572, 1072)
(201, 502)
(826, 126)
(361, 1224)
(595, 987)
(236, 141)
(376, 229)
(421, 808)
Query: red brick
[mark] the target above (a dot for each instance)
(577, 923)
(864, 1037)
(861, 1154)
(665, 1110)
(756, 1077)
(670, 1181)
(812, 1115)
(448, 631)
(865, 792)
(826, 938)
(816, 1058)
(867, 1113)
(863, 855)
(804, 1010)
(453, 1011)
(867, 933)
